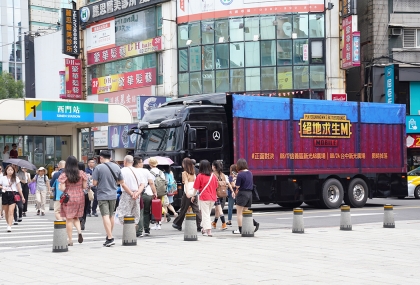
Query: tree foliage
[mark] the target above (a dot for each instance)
(9, 88)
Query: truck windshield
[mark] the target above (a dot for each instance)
(158, 140)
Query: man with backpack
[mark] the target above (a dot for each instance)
(56, 192)
(160, 184)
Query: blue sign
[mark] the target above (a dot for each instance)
(147, 103)
(412, 124)
(118, 136)
(356, 49)
(389, 84)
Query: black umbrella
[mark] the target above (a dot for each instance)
(20, 162)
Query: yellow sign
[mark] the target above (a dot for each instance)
(324, 126)
(31, 108)
(285, 80)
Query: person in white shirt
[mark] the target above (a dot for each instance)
(10, 186)
(146, 199)
(132, 188)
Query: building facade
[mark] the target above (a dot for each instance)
(262, 48)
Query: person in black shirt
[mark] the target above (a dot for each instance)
(244, 187)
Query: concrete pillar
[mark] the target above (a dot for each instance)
(298, 227)
(389, 216)
(345, 220)
(60, 237)
(190, 232)
(129, 231)
(247, 224)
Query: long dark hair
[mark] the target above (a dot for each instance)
(218, 167)
(205, 167)
(13, 179)
(188, 166)
(81, 166)
(72, 169)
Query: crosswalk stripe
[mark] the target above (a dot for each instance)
(44, 240)
(10, 235)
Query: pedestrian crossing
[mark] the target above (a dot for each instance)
(36, 231)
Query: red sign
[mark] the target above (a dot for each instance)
(413, 141)
(127, 98)
(182, 5)
(133, 49)
(339, 97)
(124, 81)
(350, 54)
(73, 79)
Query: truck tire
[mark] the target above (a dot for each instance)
(417, 192)
(290, 204)
(357, 193)
(331, 194)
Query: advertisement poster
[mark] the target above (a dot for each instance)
(189, 11)
(70, 32)
(73, 78)
(101, 36)
(413, 141)
(124, 81)
(147, 103)
(100, 138)
(133, 49)
(127, 98)
(339, 97)
(118, 137)
(350, 53)
(62, 75)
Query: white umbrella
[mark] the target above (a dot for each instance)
(161, 160)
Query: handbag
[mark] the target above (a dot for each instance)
(64, 198)
(17, 198)
(32, 187)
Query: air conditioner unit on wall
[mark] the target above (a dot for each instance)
(396, 31)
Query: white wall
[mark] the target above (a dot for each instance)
(49, 60)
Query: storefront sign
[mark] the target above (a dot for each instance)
(389, 84)
(348, 7)
(101, 36)
(350, 53)
(118, 137)
(412, 124)
(339, 97)
(62, 75)
(56, 111)
(146, 104)
(413, 141)
(73, 79)
(70, 32)
(127, 98)
(124, 81)
(324, 126)
(133, 49)
(104, 9)
(101, 138)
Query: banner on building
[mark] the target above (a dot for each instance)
(118, 136)
(73, 79)
(413, 141)
(348, 8)
(350, 53)
(101, 36)
(339, 97)
(124, 81)
(70, 32)
(62, 75)
(389, 84)
(148, 103)
(133, 49)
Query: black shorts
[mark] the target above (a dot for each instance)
(244, 198)
(8, 198)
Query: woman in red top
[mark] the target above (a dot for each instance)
(73, 181)
(206, 184)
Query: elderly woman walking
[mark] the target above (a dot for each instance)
(42, 186)
(72, 182)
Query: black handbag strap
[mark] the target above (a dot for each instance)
(112, 172)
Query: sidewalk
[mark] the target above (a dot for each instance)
(369, 254)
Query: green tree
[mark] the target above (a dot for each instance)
(9, 88)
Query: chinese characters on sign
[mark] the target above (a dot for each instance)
(324, 126)
(133, 49)
(413, 141)
(101, 36)
(389, 83)
(348, 7)
(65, 111)
(339, 97)
(73, 79)
(70, 32)
(124, 81)
(350, 53)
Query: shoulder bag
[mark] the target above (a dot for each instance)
(222, 187)
(112, 172)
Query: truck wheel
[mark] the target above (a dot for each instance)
(332, 194)
(417, 192)
(357, 193)
(290, 204)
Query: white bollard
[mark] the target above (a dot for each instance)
(298, 227)
(60, 237)
(345, 220)
(190, 232)
(247, 224)
(129, 231)
(389, 216)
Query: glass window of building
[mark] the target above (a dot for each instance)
(135, 27)
(316, 25)
(300, 25)
(285, 78)
(284, 52)
(236, 29)
(268, 78)
(237, 55)
(195, 58)
(300, 77)
(183, 60)
(222, 80)
(300, 52)
(237, 77)
(208, 82)
(268, 27)
(207, 30)
(251, 28)
(195, 83)
(317, 51)
(222, 56)
(182, 35)
(208, 57)
(317, 76)
(253, 81)
(221, 31)
(183, 82)
(251, 50)
(194, 33)
(268, 53)
(284, 25)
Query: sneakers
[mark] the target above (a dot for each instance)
(109, 242)
(257, 226)
(229, 223)
(89, 215)
(9, 229)
(139, 235)
(80, 239)
(37, 212)
(224, 226)
(146, 233)
(20, 220)
(199, 229)
(158, 227)
(213, 225)
(15, 223)
(95, 215)
(24, 214)
(236, 232)
(42, 214)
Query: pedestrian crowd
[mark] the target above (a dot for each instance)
(132, 190)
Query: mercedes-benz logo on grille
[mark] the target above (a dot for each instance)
(216, 135)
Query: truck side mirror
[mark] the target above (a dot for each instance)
(192, 135)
